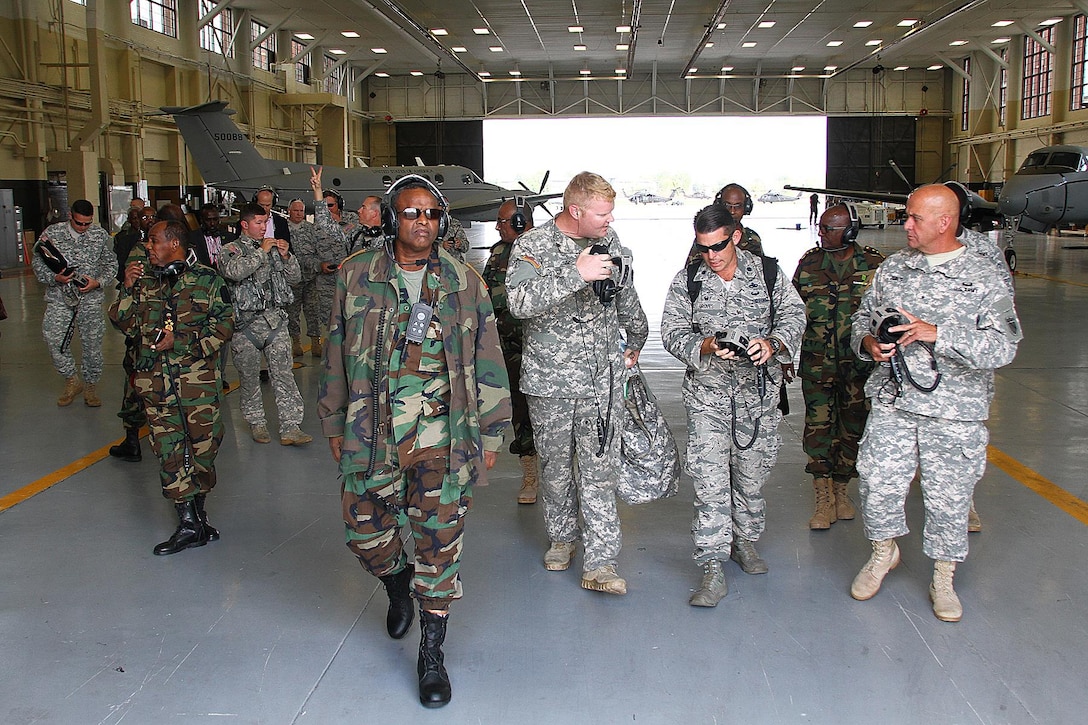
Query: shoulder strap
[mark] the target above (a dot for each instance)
(770, 276)
(694, 286)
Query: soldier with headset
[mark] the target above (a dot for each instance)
(335, 227)
(830, 279)
(515, 218)
(738, 201)
(413, 399)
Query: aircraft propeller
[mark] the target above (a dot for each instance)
(543, 183)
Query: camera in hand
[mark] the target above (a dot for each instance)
(733, 341)
(883, 318)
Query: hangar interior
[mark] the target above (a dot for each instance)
(275, 623)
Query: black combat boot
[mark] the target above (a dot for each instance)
(399, 588)
(129, 449)
(190, 530)
(434, 683)
(213, 533)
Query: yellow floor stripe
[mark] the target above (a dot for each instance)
(1048, 278)
(1053, 493)
(17, 497)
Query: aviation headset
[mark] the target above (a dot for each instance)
(748, 205)
(390, 219)
(850, 234)
(518, 221)
(266, 187)
(335, 195)
(171, 271)
(965, 203)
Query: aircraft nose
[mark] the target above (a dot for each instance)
(1013, 199)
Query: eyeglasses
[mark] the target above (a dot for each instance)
(330, 205)
(720, 246)
(500, 220)
(827, 230)
(77, 223)
(411, 213)
(732, 207)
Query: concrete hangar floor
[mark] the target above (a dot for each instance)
(276, 623)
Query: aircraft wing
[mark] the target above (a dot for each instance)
(879, 196)
(486, 210)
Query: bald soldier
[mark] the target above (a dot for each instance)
(944, 321)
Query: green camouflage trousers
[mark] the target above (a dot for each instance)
(132, 407)
(835, 416)
(186, 448)
(375, 510)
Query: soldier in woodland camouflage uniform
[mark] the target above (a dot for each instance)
(731, 399)
(738, 201)
(259, 272)
(180, 322)
(414, 416)
(830, 279)
(573, 373)
(456, 240)
(89, 253)
(511, 224)
(961, 318)
(304, 246)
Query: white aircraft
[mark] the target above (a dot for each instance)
(772, 196)
(227, 160)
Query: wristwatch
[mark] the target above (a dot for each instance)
(776, 345)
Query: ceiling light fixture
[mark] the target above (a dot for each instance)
(907, 22)
(999, 41)
(623, 28)
(1050, 21)
(1002, 24)
(585, 71)
(708, 45)
(459, 49)
(495, 48)
(481, 31)
(721, 26)
(579, 47)
(797, 68)
(874, 41)
(575, 29)
(337, 51)
(956, 43)
(766, 24)
(439, 31)
(830, 67)
(863, 23)
(349, 34)
(834, 43)
(417, 73)
(935, 66)
(379, 51)
(484, 74)
(748, 44)
(621, 71)
(515, 73)
(304, 36)
(382, 74)
(901, 67)
(622, 46)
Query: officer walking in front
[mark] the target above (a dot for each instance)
(830, 279)
(733, 318)
(74, 297)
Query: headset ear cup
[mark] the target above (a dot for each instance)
(389, 221)
(748, 205)
(850, 234)
(443, 224)
(517, 222)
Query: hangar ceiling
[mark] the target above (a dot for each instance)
(506, 40)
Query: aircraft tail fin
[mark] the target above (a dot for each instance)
(221, 151)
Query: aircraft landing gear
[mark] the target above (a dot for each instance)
(1010, 259)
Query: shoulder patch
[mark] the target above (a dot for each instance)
(529, 259)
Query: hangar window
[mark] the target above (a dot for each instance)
(264, 53)
(1003, 93)
(302, 64)
(1038, 75)
(1078, 96)
(158, 15)
(334, 75)
(217, 33)
(965, 104)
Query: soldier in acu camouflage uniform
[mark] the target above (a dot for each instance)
(573, 373)
(731, 399)
(89, 255)
(180, 322)
(336, 227)
(369, 234)
(414, 414)
(511, 224)
(961, 320)
(304, 246)
(259, 272)
(830, 279)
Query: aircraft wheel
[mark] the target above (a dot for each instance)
(1010, 259)
(879, 226)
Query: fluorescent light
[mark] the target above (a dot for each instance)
(382, 74)
(999, 41)
(834, 43)
(304, 36)
(579, 47)
(830, 67)
(349, 34)
(1002, 24)
(907, 22)
(484, 74)
(622, 46)
(721, 26)
(621, 71)
(727, 68)
(481, 31)
(874, 41)
(1051, 21)
(766, 24)
(623, 28)
(495, 48)
(935, 66)
(379, 51)
(958, 42)
(459, 49)
(337, 51)
(575, 29)
(439, 31)
(514, 73)
(749, 44)
(585, 71)
(416, 72)
(863, 23)
(901, 67)
(709, 45)
(797, 68)
(693, 70)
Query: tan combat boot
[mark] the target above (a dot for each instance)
(885, 558)
(315, 346)
(825, 505)
(73, 386)
(296, 346)
(946, 605)
(712, 588)
(558, 555)
(974, 523)
(527, 494)
(844, 507)
(90, 396)
(604, 579)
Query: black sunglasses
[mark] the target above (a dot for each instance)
(411, 213)
(720, 246)
(827, 229)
